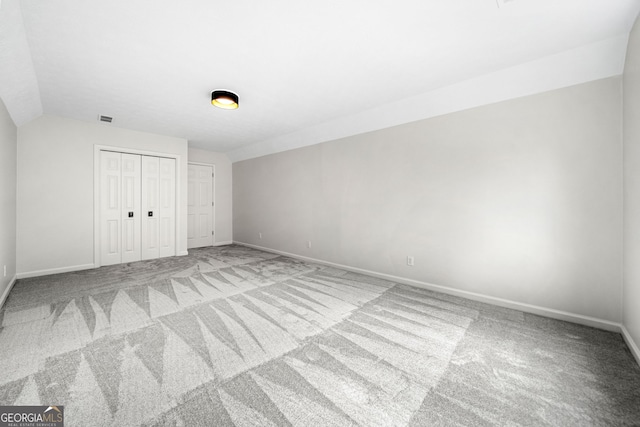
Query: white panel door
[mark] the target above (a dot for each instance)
(131, 164)
(110, 208)
(167, 207)
(137, 207)
(200, 206)
(150, 207)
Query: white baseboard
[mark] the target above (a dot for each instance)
(527, 308)
(631, 344)
(5, 294)
(49, 271)
(183, 253)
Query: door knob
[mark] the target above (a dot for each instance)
(150, 213)
(130, 214)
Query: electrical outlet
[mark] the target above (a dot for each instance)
(260, 236)
(308, 243)
(410, 261)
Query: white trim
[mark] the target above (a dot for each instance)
(213, 200)
(59, 270)
(501, 302)
(200, 163)
(96, 191)
(96, 205)
(631, 344)
(5, 294)
(229, 242)
(183, 253)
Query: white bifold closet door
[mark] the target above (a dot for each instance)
(130, 208)
(150, 207)
(158, 207)
(137, 207)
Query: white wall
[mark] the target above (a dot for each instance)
(631, 289)
(8, 147)
(223, 192)
(520, 200)
(56, 191)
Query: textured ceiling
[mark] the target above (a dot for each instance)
(18, 84)
(301, 68)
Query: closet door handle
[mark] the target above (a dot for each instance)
(130, 214)
(150, 213)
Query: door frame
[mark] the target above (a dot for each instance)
(96, 191)
(213, 195)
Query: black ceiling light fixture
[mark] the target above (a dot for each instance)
(224, 99)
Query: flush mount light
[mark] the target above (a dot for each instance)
(224, 99)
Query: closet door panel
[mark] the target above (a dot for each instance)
(110, 208)
(150, 207)
(167, 207)
(131, 202)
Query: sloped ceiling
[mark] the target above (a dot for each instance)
(18, 83)
(306, 71)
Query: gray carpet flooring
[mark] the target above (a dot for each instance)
(232, 336)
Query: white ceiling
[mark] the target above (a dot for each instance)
(305, 71)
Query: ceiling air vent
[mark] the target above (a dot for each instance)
(106, 119)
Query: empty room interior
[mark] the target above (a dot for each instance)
(321, 214)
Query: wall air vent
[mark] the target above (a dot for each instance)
(106, 119)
